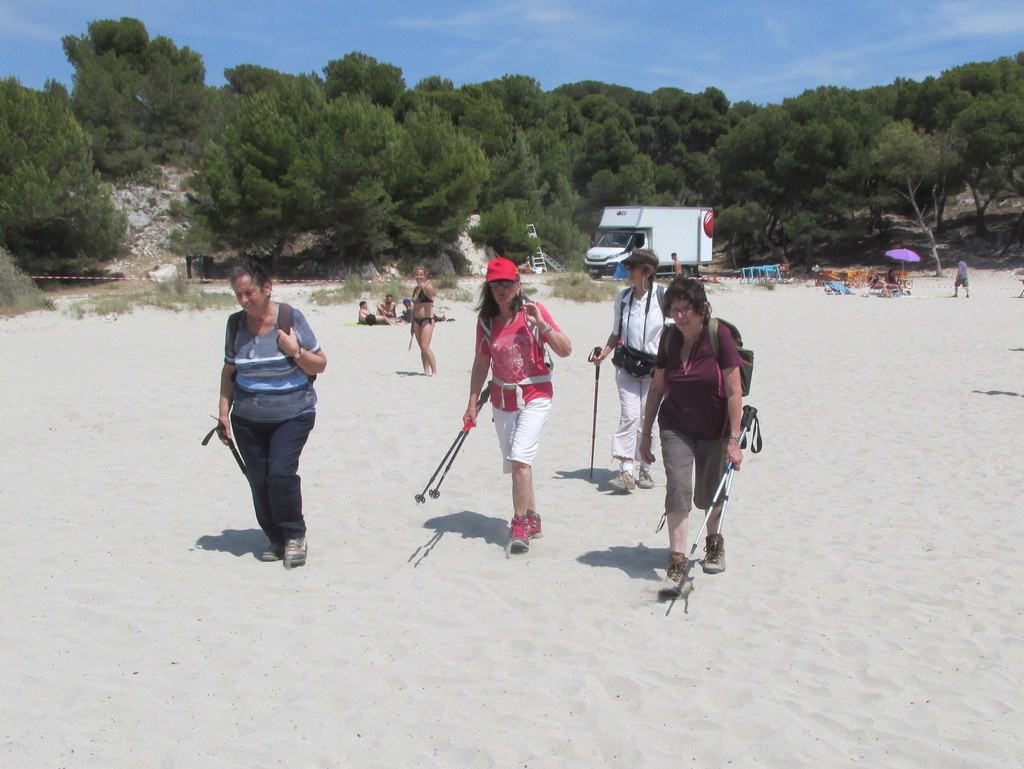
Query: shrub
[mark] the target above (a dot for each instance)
(578, 287)
(176, 295)
(18, 293)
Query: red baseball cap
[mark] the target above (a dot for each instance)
(501, 268)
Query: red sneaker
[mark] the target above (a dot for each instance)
(518, 535)
(533, 525)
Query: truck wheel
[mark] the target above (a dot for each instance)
(694, 270)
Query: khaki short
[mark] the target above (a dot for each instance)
(683, 455)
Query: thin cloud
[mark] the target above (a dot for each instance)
(955, 20)
(14, 26)
(526, 12)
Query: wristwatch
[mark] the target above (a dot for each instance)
(734, 438)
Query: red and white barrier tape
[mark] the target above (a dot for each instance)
(80, 277)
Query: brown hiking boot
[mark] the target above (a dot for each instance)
(714, 554)
(674, 574)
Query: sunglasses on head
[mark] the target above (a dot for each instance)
(503, 283)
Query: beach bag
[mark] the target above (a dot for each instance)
(633, 362)
(636, 363)
(747, 356)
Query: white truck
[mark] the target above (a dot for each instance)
(688, 232)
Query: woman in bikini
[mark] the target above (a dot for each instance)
(422, 328)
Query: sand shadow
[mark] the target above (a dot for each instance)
(468, 525)
(601, 480)
(640, 562)
(238, 542)
(997, 392)
(410, 373)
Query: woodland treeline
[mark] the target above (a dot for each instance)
(373, 169)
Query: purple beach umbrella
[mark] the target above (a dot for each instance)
(903, 255)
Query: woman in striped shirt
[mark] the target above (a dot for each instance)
(267, 402)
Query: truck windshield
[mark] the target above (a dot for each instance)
(614, 240)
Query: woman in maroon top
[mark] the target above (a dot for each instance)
(699, 404)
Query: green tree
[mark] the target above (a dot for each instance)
(515, 175)
(56, 216)
(989, 135)
(439, 174)
(256, 192)
(141, 100)
(910, 161)
(504, 228)
(350, 167)
(358, 73)
(251, 79)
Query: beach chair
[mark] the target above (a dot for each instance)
(837, 287)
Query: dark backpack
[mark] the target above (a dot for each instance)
(284, 322)
(747, 356)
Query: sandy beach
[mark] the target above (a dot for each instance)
(870, 614)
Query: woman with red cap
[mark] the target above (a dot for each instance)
(510, 338)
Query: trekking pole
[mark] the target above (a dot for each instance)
(593, 430)
(721, 497)
(725, 485)
(421, 497)
(222, 433)
(466, 427)
(449, 457)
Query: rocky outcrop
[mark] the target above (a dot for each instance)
(150, 210)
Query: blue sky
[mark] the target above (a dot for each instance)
(757, 51)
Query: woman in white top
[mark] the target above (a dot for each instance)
(636, 332)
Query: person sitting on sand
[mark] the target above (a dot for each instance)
(388, 309)
(366, 318)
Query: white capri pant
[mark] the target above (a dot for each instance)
(519, 432)
(632, 399)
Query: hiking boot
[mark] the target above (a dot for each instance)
(518, 535)
(674, 574)
(676, 566)
(623, 481)
(533, 530)
(274, 552)
(644, 480)
(295, 552)
(714, 554)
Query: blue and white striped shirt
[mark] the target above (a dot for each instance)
(269, 387)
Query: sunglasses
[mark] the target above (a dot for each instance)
(503, 283)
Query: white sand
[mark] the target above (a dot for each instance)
(870, 614)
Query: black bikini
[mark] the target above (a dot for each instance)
(422, 298)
